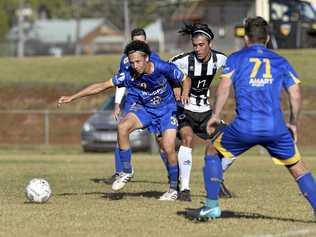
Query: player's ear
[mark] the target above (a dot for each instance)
(211, 44)
(246, 38)
(268, 39)
(147, 58)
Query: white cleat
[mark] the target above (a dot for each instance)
(121, 181)
(170, 195)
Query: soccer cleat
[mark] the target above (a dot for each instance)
(224, 192)
(170, 195)
(185, 196)
(209, 213)
(111, 179)
(121, 181)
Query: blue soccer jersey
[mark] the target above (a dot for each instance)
(155, 94)
(258, 76)
(131, 96)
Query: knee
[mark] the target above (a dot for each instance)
(187, 141)
(123, 128)
(210, 149)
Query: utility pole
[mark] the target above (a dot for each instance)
(21, 37)
(126, 22)
(76, 7)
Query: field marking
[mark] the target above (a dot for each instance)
(286, 234)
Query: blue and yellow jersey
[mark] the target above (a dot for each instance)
(153, 90)
(258, 75)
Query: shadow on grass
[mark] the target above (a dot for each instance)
(110, 181)
(193, 214)
(118, 196)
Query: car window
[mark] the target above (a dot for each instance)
(109, 103)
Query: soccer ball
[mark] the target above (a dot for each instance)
(38, 190)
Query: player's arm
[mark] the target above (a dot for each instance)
(222, 94)
(186, 86)
(295, 101)
(119, 94)
(93, 89)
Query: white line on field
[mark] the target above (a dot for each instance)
(286, 234)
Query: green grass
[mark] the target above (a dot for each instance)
(267, 201)
(78, 71)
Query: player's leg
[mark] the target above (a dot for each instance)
(163, 155)
(228, 144)
(185, 162)
(284, 152)
(168, 143)
(305, 181)
(127, 125)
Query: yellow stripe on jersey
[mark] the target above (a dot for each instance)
(290, 161)
(297, 81)
(227, 75)
(218, 146)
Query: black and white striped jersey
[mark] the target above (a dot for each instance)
(201, 75)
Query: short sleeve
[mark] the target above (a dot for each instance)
(172, 72)
(290, 76)
(230, 67)
(119, 79)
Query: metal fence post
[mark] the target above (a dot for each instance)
(46, 127)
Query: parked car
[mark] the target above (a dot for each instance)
(99, 132)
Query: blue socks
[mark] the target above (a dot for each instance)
(118, 163)
(307, 186)
(173, 171)
(125, 156)
(213, 176)
(164, 159)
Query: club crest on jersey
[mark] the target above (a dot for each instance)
(174, 120)
(142, 85)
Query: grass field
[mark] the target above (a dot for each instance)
(267, 202)
(78, 71)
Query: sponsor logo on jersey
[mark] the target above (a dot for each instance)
(260, 82)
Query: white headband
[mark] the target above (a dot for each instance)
(203, 32)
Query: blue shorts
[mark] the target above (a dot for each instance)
(281, 147)
(156, 123)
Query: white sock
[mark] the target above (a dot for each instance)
(185, 165)
(226, 162)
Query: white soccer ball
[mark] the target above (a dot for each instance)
(38, 190)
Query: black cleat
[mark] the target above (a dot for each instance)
(185, 196)
(111, 179)
(224, 192)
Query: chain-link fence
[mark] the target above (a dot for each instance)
(60, 127)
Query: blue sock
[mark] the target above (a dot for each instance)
(307, 186)
(173, 171)
(126, 160)
(164, 159)
(118, 163)
(213, 175)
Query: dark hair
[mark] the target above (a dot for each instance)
(257, 29)
(135, 46)
(197, 29)
(137, 32)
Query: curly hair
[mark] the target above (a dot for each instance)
(197, 29)
(135, 46)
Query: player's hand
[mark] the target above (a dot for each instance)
(177, 93)
(293, 130)
(185, 99)
(64, 100)
(211, 125)
(116, 111)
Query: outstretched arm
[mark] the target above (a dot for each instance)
(89, 90)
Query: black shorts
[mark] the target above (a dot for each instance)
(197, 121)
